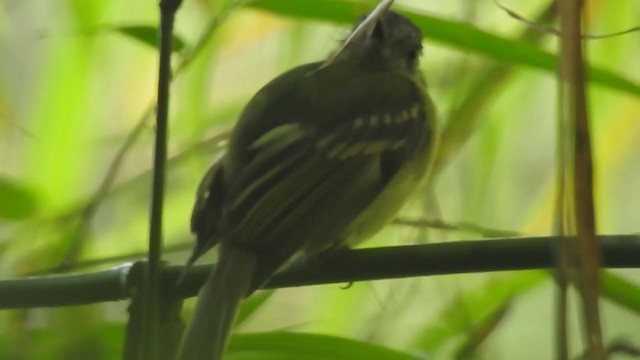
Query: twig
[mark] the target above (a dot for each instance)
(458, 226)
(88, 211)
(619, 251)
(465, 118)
(542, 28)
(188, 244)
(582, 210)
(151, 300)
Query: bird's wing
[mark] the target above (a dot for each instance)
(207, 211)
(304, 180)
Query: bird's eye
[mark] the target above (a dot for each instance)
(412, 55)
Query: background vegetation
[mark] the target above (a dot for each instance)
(76, 77)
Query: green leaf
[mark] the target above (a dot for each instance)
(102, 342)
(148, 35)
(475, 307)
(448, 32)
(252, 304)
(283, 345)
(16, 202)
(621, 291)
(478, 334)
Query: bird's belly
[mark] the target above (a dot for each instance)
(387, 204)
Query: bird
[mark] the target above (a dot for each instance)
(320, 159)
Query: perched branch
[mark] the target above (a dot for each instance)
(619, 251)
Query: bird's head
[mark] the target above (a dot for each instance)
(384, 40)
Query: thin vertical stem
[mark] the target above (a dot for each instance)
(151, 299)
(575, 105)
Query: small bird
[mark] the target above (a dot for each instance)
(321, 158)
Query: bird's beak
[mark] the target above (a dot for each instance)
(364, 29)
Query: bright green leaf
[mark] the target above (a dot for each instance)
(46, 343)
(283, 345)
(252, 304)
(148, 35)
(475, 306)
(621, 291)
(448, 32)
(16, 202)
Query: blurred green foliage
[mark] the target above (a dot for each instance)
(70, 95)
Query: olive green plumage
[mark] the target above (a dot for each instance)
(322, 157)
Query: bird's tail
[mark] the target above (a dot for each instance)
(218, 300)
